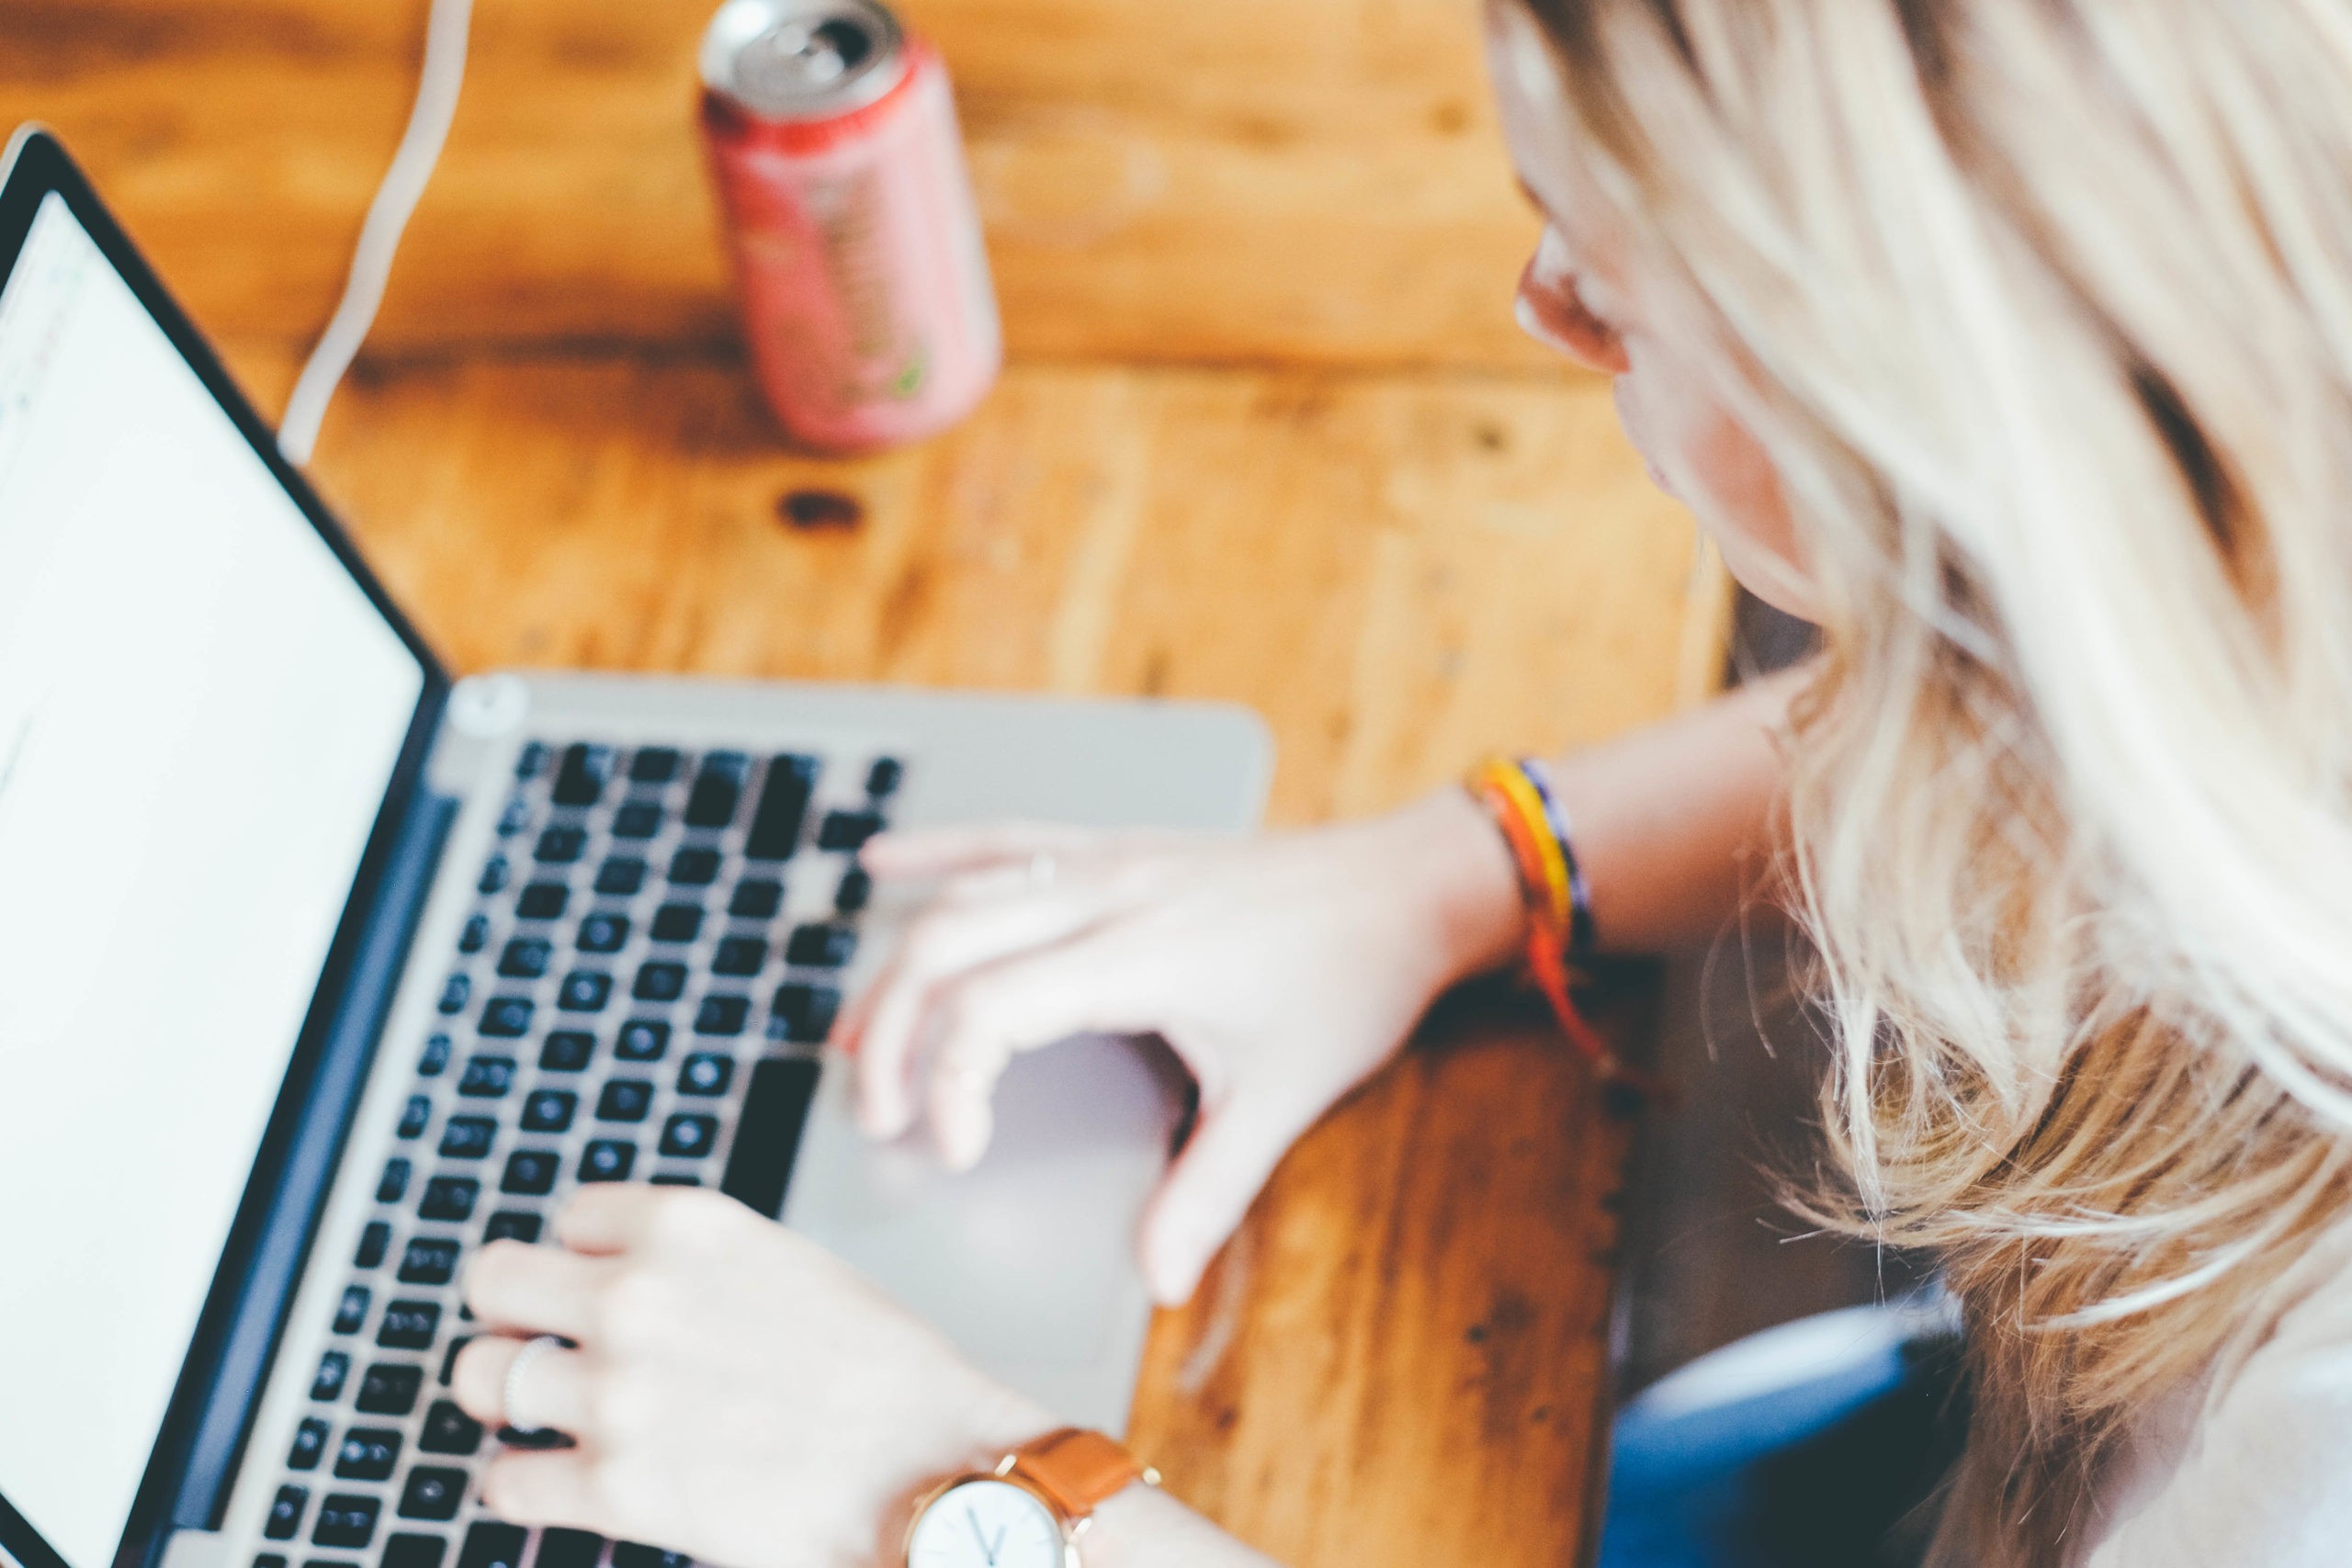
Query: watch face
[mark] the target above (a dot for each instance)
(986, 1524)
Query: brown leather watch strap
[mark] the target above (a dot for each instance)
(1077, 1469)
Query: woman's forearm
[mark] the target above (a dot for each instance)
(1145, 1527)
(1674, 826)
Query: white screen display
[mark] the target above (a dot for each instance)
(199, 715)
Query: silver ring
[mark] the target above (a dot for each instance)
(509, 1400)
(1042, 869)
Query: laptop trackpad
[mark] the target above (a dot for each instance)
(1028, 1261)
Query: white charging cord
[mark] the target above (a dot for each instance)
(379, 238)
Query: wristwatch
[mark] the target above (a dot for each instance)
(1030, 1510)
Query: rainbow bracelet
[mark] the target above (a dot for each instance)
(1526, 810)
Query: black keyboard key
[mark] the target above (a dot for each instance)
(582, 776)
(495, 875)
(346, 1519)
(368, 1453)
(486, 1078)
(456, 1348)
(603, 932)
(448, 1430)
(310, 1444)
(512, 1225)
(433, 1492)
(468, 1137)
(677, 922)
(476, 935)
(489, 1544)
(783, 810)
(507, 1017)
(549, 1110)
(335, 1370)
(567, 1051)
(526, 958)
(848, 829)
(653, 765)
(625, 1099)
(374, 1242)
(449, 1199)
(413, 1551)
(569, 1548)
(515, 817)
(638, 819)
(392, 1186)
(531, 761)
(689, 1138)
(740, 956)
(620, 876)
(706, 1072)
(436, 1060)
(695, 867)
(428, 1260)
(882, 778)
(270, 1559)
(585, 990)
(561, 844)
(856, 890)
(717, 791)
(660, 980)
(454, 992)
(530, 1173)
(722, 1015)
(827, 946)
(757, 899)
(388, 1388)
(607, 1160)
(676, 1179)
(542, 901)
(285, 1521)
(767, 1133)
(642, 1040)
(351, 1312)
(415, 1116)
(805, 1013)
(629, 1554)
(409, 1325)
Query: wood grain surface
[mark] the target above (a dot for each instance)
(1268, 436)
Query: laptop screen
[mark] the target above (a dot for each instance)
(200, 715)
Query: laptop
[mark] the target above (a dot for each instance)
(319, 967)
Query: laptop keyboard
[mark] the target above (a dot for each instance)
(652, 959)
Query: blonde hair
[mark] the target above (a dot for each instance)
(2042, 310)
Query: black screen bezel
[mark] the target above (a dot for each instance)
(35, 166)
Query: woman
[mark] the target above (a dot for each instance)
(2010, 342)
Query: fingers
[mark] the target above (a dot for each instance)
(883, 1031)
(1205, 1194)
(536, 1289)
(942, 852)
(553, 1391)
(1019, 1004)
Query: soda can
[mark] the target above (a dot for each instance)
(867, 301)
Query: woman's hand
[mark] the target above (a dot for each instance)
(1283, 971)
(736, 1393)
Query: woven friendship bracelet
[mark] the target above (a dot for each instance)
(1526, 812)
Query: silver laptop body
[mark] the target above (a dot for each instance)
(591, 927)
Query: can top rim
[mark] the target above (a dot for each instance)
(802, 59)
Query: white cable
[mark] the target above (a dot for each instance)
(379, 238)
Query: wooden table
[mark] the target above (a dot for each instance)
(1267, 435)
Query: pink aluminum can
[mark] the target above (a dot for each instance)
(864, 282)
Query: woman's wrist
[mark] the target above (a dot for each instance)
(1453, 855)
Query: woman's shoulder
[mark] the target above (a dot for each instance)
(2251, 1464)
